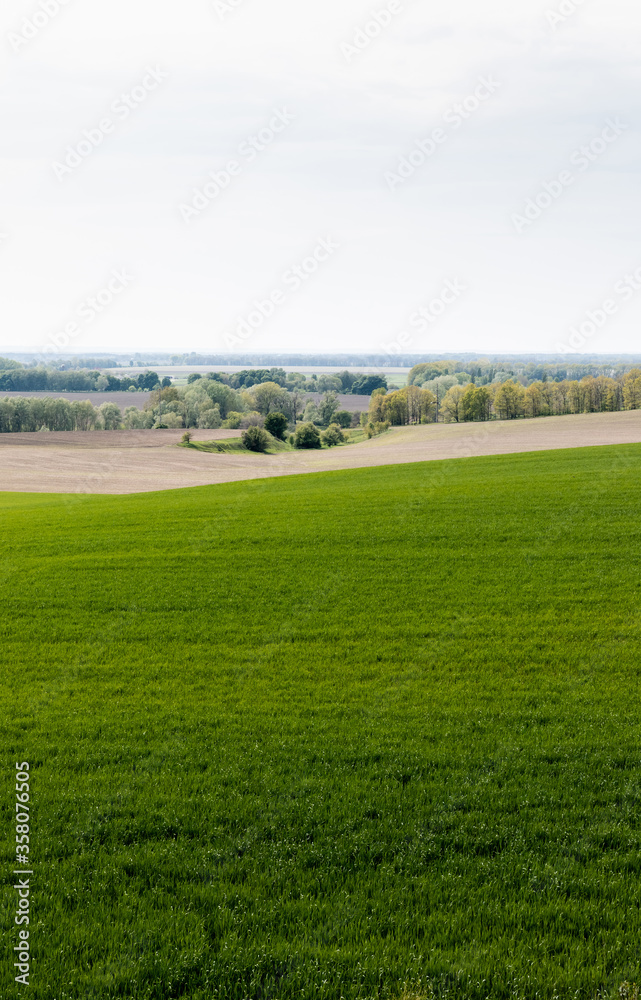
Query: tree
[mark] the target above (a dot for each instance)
(333, 436)
(440, 387)
(276, 424)
(477, 402)
(311, 415)
(307, 436)
(509, 400)
(632, 389)
(343, 418)
(453, 403)
(347, 380)
(84, 415)
(111, 416)
(209, 418)
(269, 396)
(220, 393)
(327, 408)
(632, 393)
(255, 439)
(136, 420)
(365, 385)
(329, 383)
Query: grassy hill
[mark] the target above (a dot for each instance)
(323, 736)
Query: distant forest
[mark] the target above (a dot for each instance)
(75, 375)
(446, 391)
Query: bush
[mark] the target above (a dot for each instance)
(307, 436)
(252, 419)
(343, 418)
(209, 419)
(276, 424)
(333, 436)
(186, 438)
(255, 439)
(374, 429)
(173, 420)
(233, 420)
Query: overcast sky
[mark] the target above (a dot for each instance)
(283, 175)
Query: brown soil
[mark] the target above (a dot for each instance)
(143, 461)
(121, 399)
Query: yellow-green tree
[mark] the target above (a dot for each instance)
(509, 400)
(452, 406)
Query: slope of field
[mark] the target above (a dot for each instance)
(140, 461)
(323, 736)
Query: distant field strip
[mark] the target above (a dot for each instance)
(365, 734)
(144, 461)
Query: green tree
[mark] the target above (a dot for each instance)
(509, 400)
(84, 415)
(276, 424)
(111, 416)
(365, 385)
(307, 436)
(343, 418)
(327, 408)
(333, 436)
(269, 396)
(453, 404)
(255, 439)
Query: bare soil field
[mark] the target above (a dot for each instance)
(353, 404)
(121, 399)
(144, 461)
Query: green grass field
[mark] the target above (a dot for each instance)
(364, 734)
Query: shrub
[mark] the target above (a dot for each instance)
(252, 419)
(186, 438)
(276, 424)
(307, 436)
(255, 439)
(333, 436)
(374, 429)
(173, 420)
(209, 419)
(233, 420)
(343, 418)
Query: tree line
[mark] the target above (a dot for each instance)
(210, 403)
(206, 403)
(446, 398)
(45, 379)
